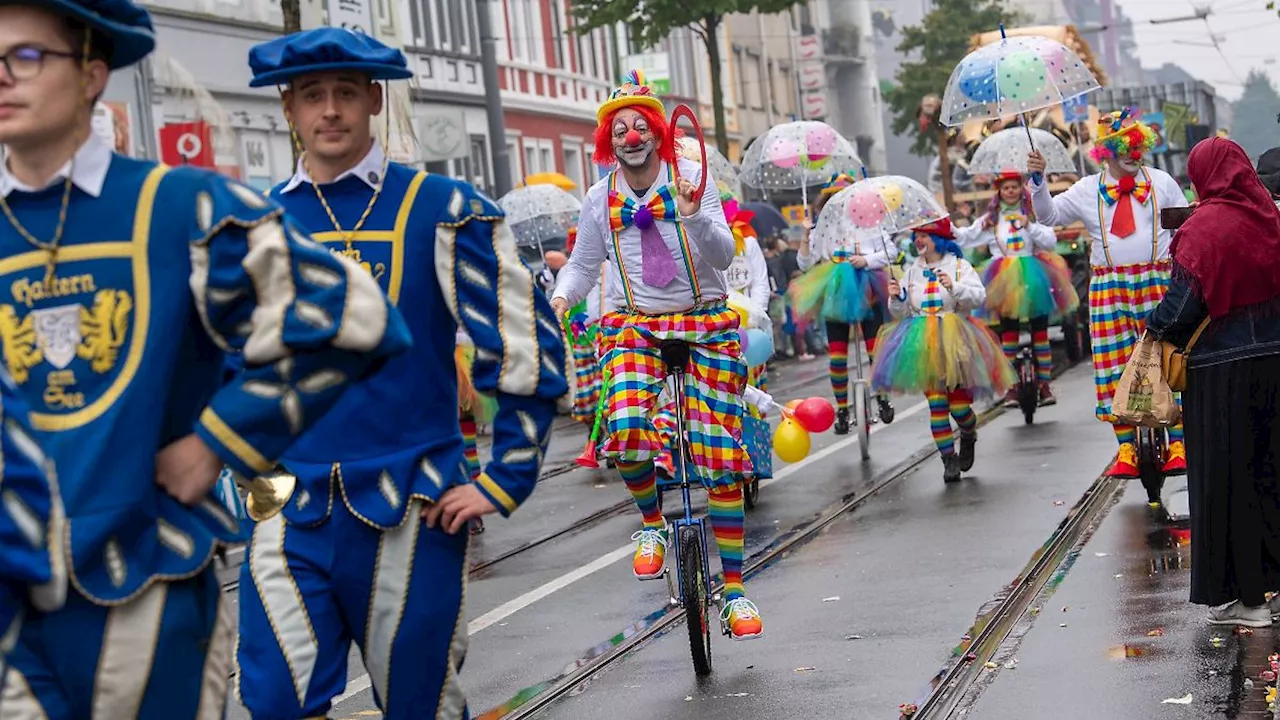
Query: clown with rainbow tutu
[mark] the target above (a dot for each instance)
(1026, 281)
(936, 348)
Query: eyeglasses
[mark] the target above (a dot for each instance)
(26, 61)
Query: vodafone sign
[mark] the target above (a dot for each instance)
(186, 144)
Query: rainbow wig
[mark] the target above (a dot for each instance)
(994, 207)
(940, 352)
(1120, 136)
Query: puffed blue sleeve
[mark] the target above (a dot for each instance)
(305, 323)
(32, 523)
(521, 357)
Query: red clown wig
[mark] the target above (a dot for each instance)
(604, 154)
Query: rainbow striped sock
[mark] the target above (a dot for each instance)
(838, 368)
(1044, 355)
(1126, 434)
(961, 403)
(642, 480)
(1175, 433)
(470, 454)
(1009, 343)
(725, 508)
(940, 422)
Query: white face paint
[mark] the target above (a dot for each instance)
(633, 156)
(1125, 166)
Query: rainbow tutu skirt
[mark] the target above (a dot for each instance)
(940, 352)
(839, 292)
(1028, 287)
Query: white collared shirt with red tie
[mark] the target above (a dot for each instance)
(1080, 203)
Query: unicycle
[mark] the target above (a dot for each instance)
(1151, 450)
(1028, 387)
(691, 588)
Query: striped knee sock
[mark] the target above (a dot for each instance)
(1126, 434)
(1009, 343)
(838, 367)
(470, 454)
(871, 348)
(940, 422)
(1044, 355)
(642, 480)
(1175, 432)
(725, 509)
(961, 402)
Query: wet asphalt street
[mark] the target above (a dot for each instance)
(861, 617)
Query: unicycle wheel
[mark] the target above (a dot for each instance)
(863, 414)
(751, 492)
(697, 600)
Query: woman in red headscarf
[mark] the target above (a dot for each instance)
(1224, 300)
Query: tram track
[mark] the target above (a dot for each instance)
(478, 569)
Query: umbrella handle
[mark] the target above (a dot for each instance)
(1036, 177)
(684, 111)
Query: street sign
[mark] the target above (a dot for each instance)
(814, 105)
(188, 143)
(808, 47)
(353, 15)
(656, 67)
(1076, 109)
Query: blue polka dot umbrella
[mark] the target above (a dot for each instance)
(1013, 76)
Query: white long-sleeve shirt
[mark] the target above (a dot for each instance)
(748, 274)
(1083, 202)
(1011, 235)
(711, 246)
(966, 295)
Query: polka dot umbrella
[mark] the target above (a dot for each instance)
(796, 156)
(872, 210)
(1014, 76)
(537, 213)
(1007, 150)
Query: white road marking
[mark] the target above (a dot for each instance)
(360, 684)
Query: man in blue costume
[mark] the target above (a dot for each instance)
(372, 547)
(126, 285)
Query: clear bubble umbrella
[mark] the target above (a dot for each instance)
(722, 171)
(1007, 150)
(873, 209)
(1014, 76)
(796, 156)
(537, 213)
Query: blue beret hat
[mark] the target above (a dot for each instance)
(326, 49)
(127, 26)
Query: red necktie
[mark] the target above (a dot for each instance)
(1122, 221)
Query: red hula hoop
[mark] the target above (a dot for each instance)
(684, 111)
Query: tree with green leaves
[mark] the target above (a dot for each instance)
(940, 42)
(651, 21)
(1254, 127)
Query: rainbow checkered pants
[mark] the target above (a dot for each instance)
(1120, 298)
(630, 352)
(586, 392)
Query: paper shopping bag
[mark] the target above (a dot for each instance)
(1143, 397)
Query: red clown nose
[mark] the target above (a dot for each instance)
(632, 138)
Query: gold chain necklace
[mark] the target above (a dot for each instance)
(50, 247)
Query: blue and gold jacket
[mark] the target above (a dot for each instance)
(445, 257)
(157, 280)
(32, 524)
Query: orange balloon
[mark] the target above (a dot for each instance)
(555, 259)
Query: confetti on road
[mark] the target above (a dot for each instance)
(805, 669)
(1217, 641)
(833, 598)
(1184, 700)
(1155, 633)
